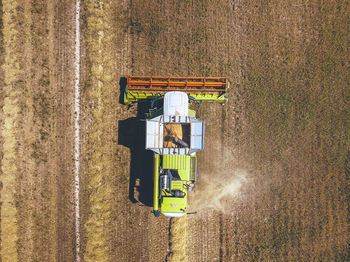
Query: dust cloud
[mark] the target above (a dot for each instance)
(218, 191)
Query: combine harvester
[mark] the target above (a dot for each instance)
(174, 133)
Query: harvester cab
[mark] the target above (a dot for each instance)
(174, 133)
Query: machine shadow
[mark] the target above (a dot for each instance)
(131, 133)
(122, 84)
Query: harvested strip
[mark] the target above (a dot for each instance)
(52, 198)
(26, 208)
(178, 236)
(36, 183)
(13, 71)
(100, 162)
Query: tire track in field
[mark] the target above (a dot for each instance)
(13, 72)
(63, 83)
(37, 198)
(38, 170)
(52, 141)
(26, 208)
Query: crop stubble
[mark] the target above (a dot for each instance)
(97, 96)
(285, 124)
(36, 192)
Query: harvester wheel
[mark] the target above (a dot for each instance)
(136, 190)
(156, 213)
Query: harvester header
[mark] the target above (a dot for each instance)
(211, 89)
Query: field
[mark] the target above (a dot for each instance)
(274, 175)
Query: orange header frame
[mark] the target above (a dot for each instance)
(186, 84)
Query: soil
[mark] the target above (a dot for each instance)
(38, 70)
(273, 177)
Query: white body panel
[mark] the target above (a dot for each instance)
(175, 111)
(154, 134)
(175, 104)
(173, 214)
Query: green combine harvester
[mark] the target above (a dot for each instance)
(174, 133)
